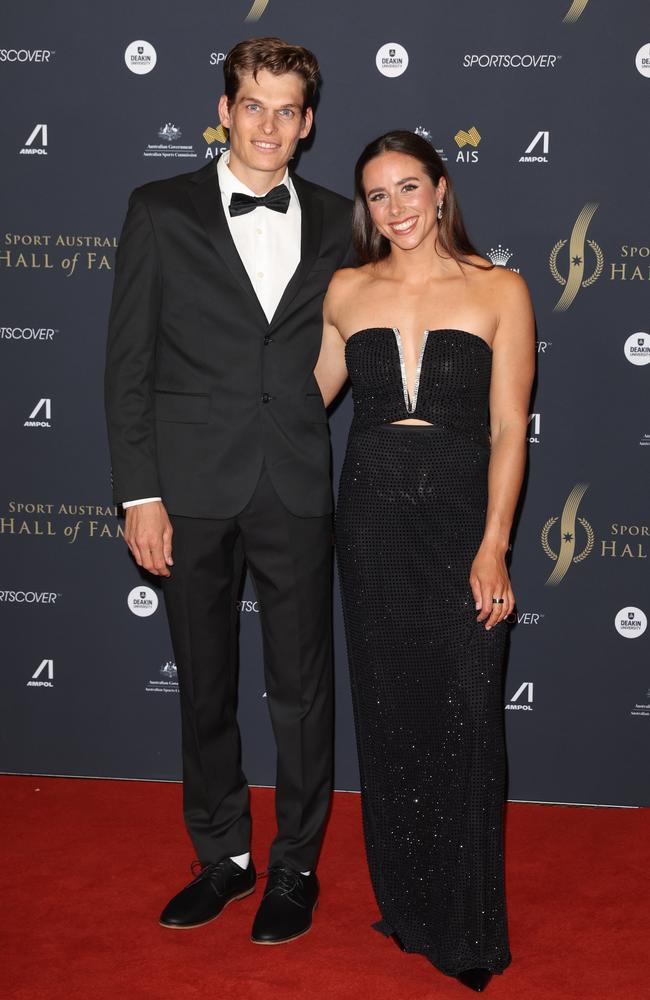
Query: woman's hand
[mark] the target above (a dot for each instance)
(489, 578)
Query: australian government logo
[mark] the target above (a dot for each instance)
(642, 708)
(572, 540)
(168, 146)
(166, 682)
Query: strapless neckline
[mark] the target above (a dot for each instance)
(392, 329)
(411, 395)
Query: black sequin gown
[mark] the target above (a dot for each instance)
(426, 677)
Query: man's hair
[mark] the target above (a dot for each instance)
(277, 57)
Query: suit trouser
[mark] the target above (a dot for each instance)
(290, 561)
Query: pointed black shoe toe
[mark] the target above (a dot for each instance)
(475, 979)
(287, 906)
(202, 900)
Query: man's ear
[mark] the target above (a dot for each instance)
(307, 122)
(224, 111)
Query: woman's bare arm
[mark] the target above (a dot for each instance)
(331, 371)
(513, 368)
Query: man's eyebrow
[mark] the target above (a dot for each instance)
(256, 100)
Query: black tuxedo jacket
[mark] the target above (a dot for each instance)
(200, 387)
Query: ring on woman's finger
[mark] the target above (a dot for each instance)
(498, 600)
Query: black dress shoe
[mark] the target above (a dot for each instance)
(287, 907)
(203, 899)
(475, 979)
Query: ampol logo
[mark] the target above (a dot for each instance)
(38, 135)
(46, 667)
(44, 405)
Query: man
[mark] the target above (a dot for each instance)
(219, 440)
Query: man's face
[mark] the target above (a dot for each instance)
(266, 120)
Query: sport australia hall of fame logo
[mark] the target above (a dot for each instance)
(567, 555)
(574, 279)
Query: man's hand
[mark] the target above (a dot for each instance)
(148, 533)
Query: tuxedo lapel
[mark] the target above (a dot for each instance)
(206, 198)
(311, 224)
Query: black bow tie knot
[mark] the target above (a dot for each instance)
(277, 199)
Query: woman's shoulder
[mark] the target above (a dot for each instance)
(500, 280)
(347, 281)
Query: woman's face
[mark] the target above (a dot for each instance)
(402, 199)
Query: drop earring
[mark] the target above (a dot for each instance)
(440, 210)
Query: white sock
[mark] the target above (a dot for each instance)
(242, 860)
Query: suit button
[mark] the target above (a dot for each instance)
(268, 340)
(266, 398)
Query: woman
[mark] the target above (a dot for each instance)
(433, 339)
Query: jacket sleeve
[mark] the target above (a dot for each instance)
(351, 259)
(130, 357)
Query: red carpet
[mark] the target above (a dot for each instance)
(89, 865)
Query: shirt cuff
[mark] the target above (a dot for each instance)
(136, 503)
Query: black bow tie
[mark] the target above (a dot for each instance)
(277, 199)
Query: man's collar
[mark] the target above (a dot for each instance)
(229, 184)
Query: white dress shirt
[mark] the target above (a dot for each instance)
(267, 242)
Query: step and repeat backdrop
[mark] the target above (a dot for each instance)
(539, 112)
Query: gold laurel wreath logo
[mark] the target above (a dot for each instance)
(574, 11)
(258, 9)
(600, 260)
(575, 279)
(589, 544)
(598, 270)
(567, 554)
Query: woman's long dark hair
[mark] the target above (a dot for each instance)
(370, 245)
